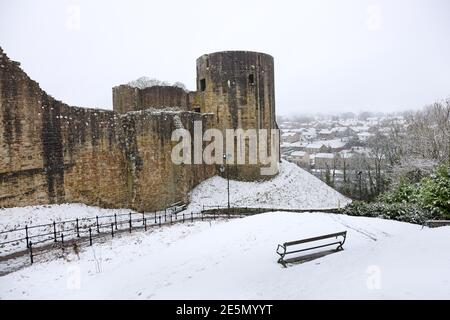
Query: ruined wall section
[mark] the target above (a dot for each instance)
(154, 169)
(54, 153)
(126, 98)
(21, 150)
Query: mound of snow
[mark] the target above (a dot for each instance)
(292, 188)
(237, 260)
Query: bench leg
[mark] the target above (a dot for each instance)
(282, 262)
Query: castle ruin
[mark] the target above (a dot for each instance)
(54, 153)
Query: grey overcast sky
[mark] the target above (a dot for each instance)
(330, 56)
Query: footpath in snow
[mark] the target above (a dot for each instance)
(236, 259)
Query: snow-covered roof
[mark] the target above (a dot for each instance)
(288, 134)
(298, 153)
(339, 129)
(360, 128)
(324, 155)
(298, 144)
(335, 143)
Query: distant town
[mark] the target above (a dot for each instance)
(341, 150)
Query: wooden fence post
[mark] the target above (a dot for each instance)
(90, 236)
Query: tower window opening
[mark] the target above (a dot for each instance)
(202, 84)
(251, 79)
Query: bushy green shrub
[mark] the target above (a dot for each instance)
(405, 191)
(434, 192)
(405, 212)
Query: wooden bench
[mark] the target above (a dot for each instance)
(282, 249)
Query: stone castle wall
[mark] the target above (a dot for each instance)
(53, 153)
(126, 98)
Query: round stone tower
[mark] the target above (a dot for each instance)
(238, 88)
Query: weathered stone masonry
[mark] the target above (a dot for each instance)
(238, 88)
(53, 153)
(126, 98)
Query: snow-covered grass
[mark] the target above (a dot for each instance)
(237, 260)
(12, 218)
(292, 188)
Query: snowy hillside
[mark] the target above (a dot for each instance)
(293, 187)
(236, 260)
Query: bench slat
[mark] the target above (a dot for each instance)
(312, 248)
(331, 235)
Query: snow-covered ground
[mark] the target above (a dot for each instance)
(236, 260)
(12, 218)
(292, 188)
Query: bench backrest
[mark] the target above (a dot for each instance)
(331, 235)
